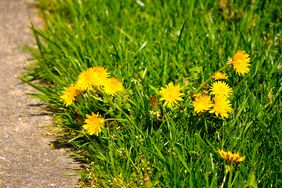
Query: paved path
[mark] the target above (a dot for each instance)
(26, 159)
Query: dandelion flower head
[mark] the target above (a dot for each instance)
(202, 103)
(69, 94)
(219, 76)
(83, 82)
(171, 94)
(93, 124)
(99, 76)
(241, 62)
(221, 106)
(221, 88)
(112, 86)
(231, 157)
(94, 76)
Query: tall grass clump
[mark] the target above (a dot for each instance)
(164, 93)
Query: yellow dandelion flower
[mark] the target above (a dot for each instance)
(241, 62)
(231, 157)
(94, 76)
(94, 124)
(221, 88)
(219, 76)
(171, 94)
(99, 76)
(83, 82)
(112, 86)
(221, 106)
(202, 103)
(69, 94)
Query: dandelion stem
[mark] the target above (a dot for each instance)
(223, 181)
(227, 170)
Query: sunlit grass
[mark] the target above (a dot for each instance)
(160, 54)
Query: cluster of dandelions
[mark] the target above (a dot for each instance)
(217, 99)
(94, 78)
(89, 80)
(220, 91)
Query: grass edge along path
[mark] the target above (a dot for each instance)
(133, 87)
(25, 157)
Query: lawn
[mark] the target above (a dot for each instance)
(164, 93)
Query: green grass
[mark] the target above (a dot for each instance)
(147, 47)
